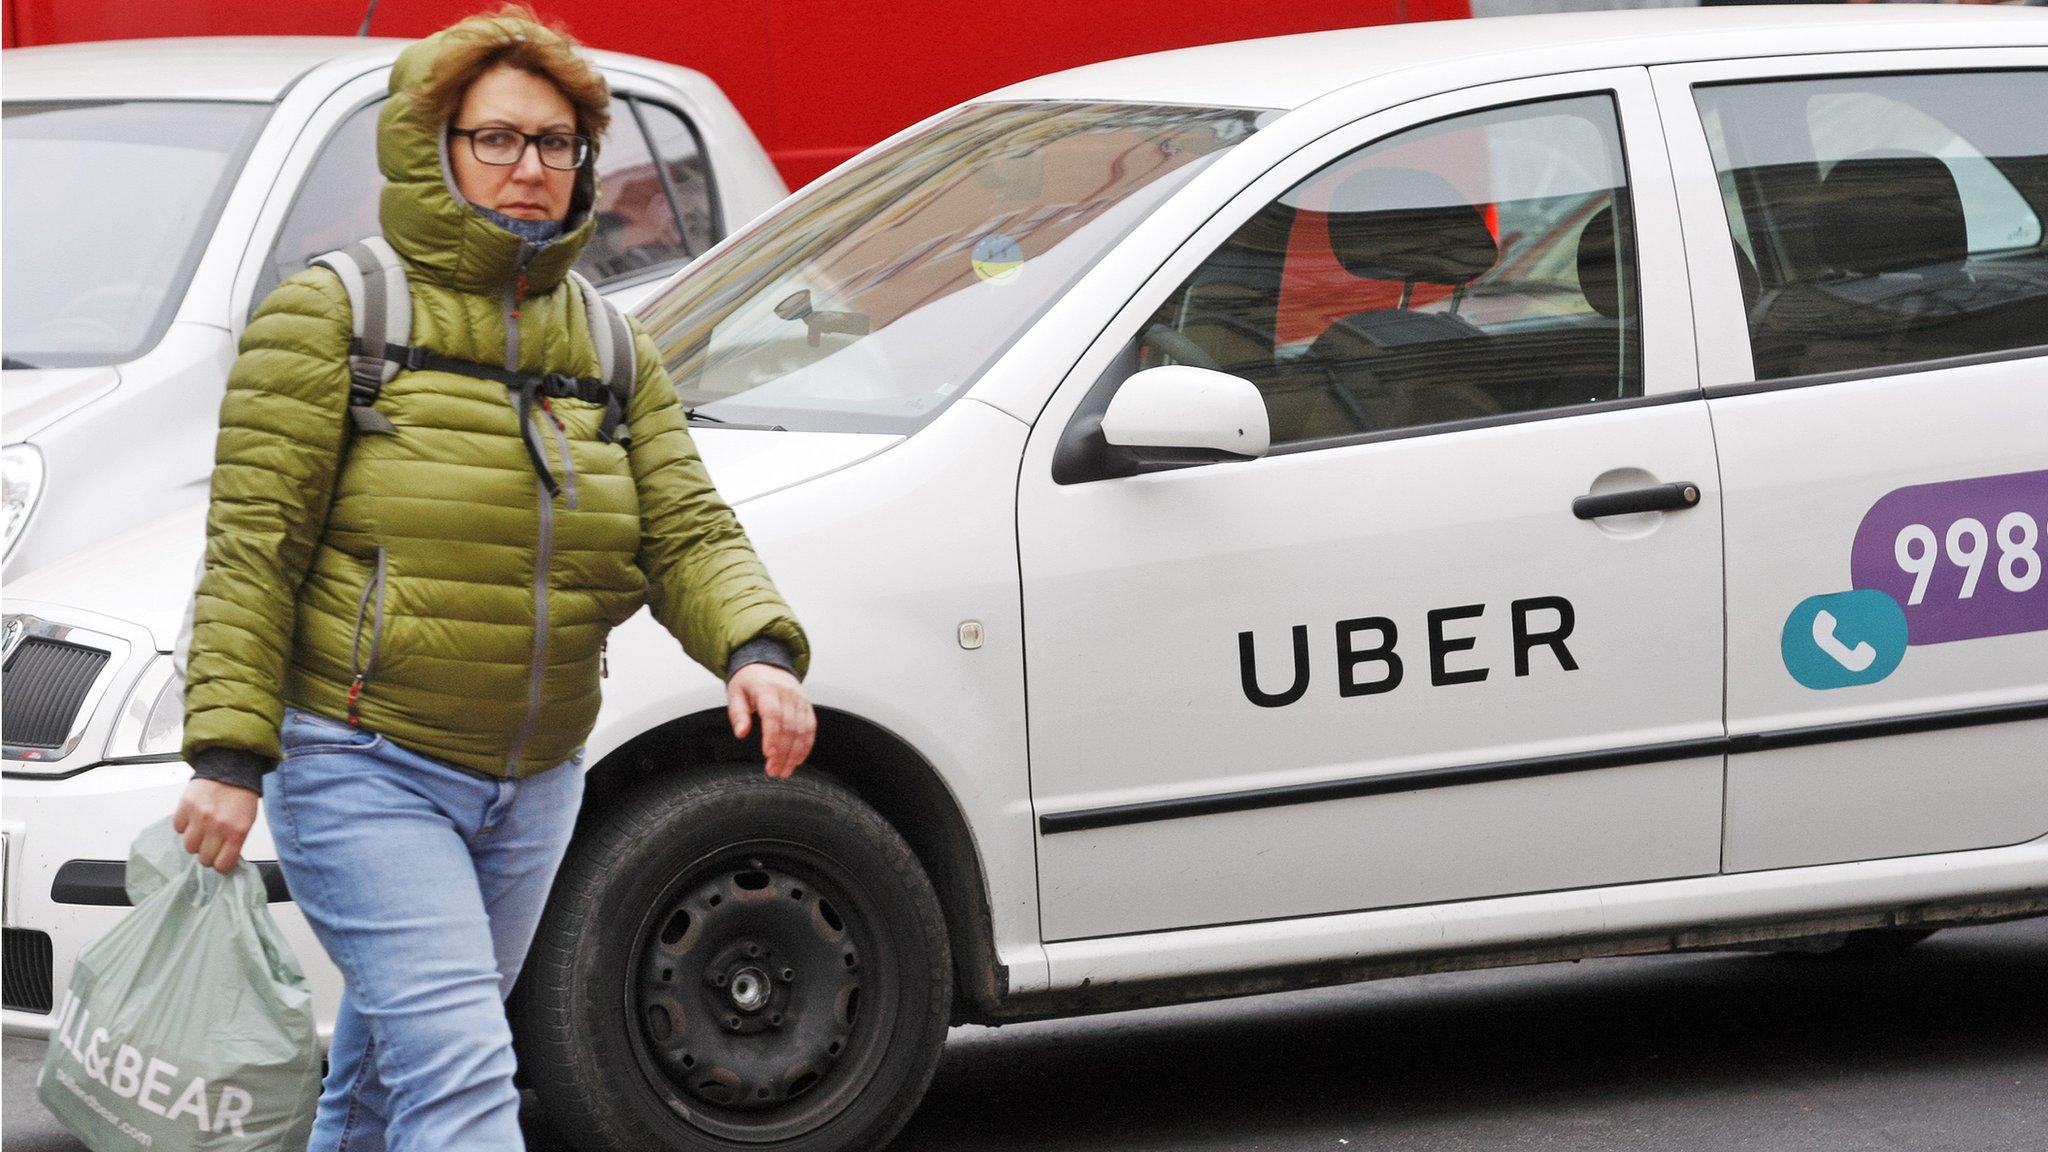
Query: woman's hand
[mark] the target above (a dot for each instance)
(215, 818)
(788, 726)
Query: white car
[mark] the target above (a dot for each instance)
(157, 190)
(1286, 513)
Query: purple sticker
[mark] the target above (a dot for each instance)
(1964, 557)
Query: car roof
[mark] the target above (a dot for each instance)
(181, 67)
(1290, 71)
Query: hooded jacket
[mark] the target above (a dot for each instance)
(429, 569)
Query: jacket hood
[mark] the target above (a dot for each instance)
(441, 236)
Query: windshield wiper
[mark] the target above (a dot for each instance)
(699, 416)
(11, 362)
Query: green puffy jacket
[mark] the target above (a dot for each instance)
(433, 560)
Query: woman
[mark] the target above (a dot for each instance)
(406, 624)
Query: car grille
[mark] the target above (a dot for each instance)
(46, 681)
(28, 970)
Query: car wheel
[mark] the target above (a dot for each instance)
(729, 961)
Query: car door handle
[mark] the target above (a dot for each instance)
(1672, 497)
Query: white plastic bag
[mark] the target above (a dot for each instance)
(188, 1025)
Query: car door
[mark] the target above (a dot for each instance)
(1867, 237)
(1388, 664)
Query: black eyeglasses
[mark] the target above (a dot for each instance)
(564, 151)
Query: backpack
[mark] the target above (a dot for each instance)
(380, 307)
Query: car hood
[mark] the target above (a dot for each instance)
(747, 464)
(32, 399)
(146, 575)
(143, 576)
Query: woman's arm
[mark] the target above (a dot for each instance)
(281, 432)
(704, 582)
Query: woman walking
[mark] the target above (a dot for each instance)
(398, 638)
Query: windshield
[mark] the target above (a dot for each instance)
(107, 207)
(872, 299)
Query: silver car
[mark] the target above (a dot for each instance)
(158, 189)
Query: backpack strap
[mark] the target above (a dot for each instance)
(380, 309)
(616, 361)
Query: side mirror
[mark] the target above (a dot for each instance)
(1178, 414)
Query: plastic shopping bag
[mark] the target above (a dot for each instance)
(188, 1026)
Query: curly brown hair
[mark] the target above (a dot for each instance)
(514, 35)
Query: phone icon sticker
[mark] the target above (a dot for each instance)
(1844, 639)
(1856, 659)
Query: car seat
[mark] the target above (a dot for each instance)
(1590, 361)
(1396, 367)
(1889, 280)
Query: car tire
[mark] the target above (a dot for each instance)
(1861, 944)
(1876, 942)
(729, 961)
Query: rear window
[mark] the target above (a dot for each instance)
(1885, 220)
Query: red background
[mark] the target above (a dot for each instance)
(817, 81)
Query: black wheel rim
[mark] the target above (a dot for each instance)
(756, 991)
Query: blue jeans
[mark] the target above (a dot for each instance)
(425, 883)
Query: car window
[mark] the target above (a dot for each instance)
(1731, 200)
(336, 204)
(869, 301)
(637, 230)
(636, 234)
(108, 207)
(1479, 265)
(689, 176)
(1882, 220)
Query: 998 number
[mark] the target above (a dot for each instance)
(1967, 545)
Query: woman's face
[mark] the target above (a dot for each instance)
(507, 97)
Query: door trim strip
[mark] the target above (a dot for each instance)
(1147, 811)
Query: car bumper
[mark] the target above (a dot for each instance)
(92, 817)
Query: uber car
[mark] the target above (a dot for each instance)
(1286, 513)
(157, 190)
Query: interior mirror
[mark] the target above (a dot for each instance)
(1178, 414)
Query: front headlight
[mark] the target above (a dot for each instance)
(21, 477)
(151, 725)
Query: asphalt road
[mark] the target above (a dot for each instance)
(1942, 1049)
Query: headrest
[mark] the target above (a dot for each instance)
(1890, 212)
(1402, 224)
(1599, 271)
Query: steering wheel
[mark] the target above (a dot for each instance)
(86, 317)
(76, 331)
(1176, 344)
(110, 299)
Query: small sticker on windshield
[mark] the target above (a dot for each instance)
(998, 259)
